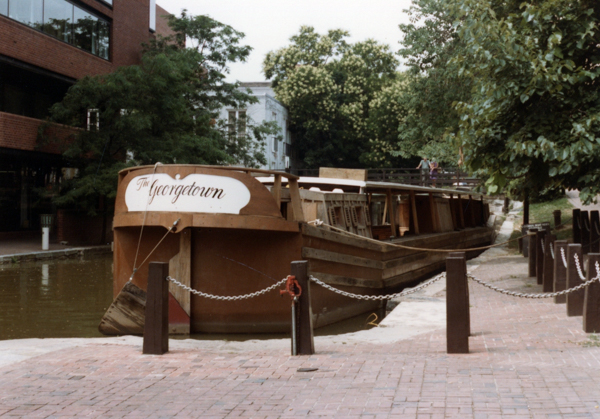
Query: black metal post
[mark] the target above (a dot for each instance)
(574, 299)
(560, 271)
(591, 301)
(576, 225)
(548, 277)
(304, 339)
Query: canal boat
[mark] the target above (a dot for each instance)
(231, 231)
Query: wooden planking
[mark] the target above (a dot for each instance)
(324, 255)
(413, 205)
(335, 173)
(296, 201)
(126, 314)
(180, 268)
(348, 281)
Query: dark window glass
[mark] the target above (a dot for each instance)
(28, 12)
(4, 7)
(85, 30)
(58, 16)
(103, 39)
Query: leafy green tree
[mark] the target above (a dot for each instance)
(163, 110)
(434, 84)
(532, 124)
(328, 86)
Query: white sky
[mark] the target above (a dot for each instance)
(268, 24)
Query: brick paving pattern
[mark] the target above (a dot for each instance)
(527, 360)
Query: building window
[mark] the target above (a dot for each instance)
(153, 15)
(93, 120)
(237, 124)
(62, 20)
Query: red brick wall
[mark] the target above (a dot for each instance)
(78, 228)
(20, 132)
(130, 27)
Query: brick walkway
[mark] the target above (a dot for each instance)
(527, 360)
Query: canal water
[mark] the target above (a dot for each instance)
(67, 298)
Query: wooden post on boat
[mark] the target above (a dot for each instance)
(540, 237)
(548, 277)
(156, 325)
(591, 301)
(461, 213)
(457, 304)
(560, 271)
(413, 206)
(304, 339)
(434, 217)
(276, 191)
(576, 225)
(391, 211)
(595, 234)
(453, 212)
(574, 299)
(531, 248)
(296, 200)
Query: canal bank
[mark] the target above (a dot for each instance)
(29, 248)
(527, 359)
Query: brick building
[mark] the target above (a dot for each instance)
(45, 46)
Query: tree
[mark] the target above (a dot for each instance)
(433, 82)
(163, 110)
(328, 85)
(532, 125)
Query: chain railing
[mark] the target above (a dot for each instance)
(378, 297)
(544, 295)
(226, 298)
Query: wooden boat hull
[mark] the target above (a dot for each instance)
(230, 262)
(247, 242)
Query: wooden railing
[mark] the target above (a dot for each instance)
(445, 178)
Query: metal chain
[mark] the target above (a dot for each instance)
(552, 251)
(564, 259)
(579, 270)
(378, 297)
(546, 295)
(225, 298)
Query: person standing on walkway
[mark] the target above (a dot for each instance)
(433, 171)
(424, 166)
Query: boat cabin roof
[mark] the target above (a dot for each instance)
(359, 186)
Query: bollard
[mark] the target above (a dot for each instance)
(557, 216)
(591, 301)
(574, 299)
(457, 304)
(304, 338)
(585, 232)
(156, 325)
(576, 225)
(595, 231)
(531, 235)
(540, 237)
(560, 271)
(45, 238)
(548, 276)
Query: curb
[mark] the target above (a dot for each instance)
(55, 254)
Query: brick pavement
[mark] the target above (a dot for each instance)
(527, 360)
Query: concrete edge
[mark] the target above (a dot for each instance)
(55, 254)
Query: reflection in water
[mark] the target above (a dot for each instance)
(67, 298)
(63, 298)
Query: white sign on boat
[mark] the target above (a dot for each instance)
(194, 193)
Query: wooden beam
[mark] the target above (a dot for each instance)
(433, 209)
(276, 190)
(453, 212)
(413, 205)
(460, 212)
(296, 201)
(390, 201)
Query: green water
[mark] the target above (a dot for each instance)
(54, 299)
(67, 298)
